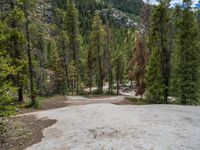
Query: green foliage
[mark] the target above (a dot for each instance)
(6, 89)
(87, 9)
(38, 103)
(14, 20)
(42, 39)
(72, 30)
(97, 38)
(188, 57)
(134, 101)
(154, 79)
(160, 45)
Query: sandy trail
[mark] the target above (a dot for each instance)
(128, 94)
(80, 100)
(112, 127)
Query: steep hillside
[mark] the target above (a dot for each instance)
(118, 12)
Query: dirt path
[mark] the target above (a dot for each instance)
(80, 100)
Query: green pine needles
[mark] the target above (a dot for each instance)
(188, 53)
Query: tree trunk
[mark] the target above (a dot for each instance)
(100, 78)
(28, 48)
(66, 68)
(118, 67)
(90, 84)
(67, 76)
(77, 82)
(131, 86)
(20, 94)
(111, 82)
(72, 86)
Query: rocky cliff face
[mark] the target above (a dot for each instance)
(118, 17)
(121, 13)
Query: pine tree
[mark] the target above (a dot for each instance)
(108, 57)
(74, 42)
(59, 24)
(27, 6)
(90, 66)
(6, 88)
(154, 79)
(160, 43)
(97, 40)
(6, 70)
(198, 23)
(187, 56)
(118, 67)
(14, 19)
(119, 56)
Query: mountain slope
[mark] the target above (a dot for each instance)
(120, 12)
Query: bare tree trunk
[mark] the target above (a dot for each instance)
(20, 94)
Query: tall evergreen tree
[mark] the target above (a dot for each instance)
(160, 43)
(97, 40)
(108, 57)
(187, 56)
(154, 78)
(6, 70)
(119, 56)
(6, 88)
(27, 5)
(90, 66)
(74, 41)
(59, 24)
(14, 19)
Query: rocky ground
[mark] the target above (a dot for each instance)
(104, 123)
(109, 126)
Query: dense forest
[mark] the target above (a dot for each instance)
(62, 47)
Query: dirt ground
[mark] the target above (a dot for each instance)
(67, 101)
(23, 132)
(48, 103)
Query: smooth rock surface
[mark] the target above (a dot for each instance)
(112, 127)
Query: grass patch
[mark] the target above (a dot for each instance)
(28, 104)
(135, 101)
